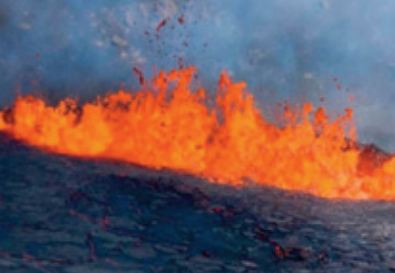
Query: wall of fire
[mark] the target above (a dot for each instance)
(285, 50)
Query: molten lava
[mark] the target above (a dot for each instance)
(170, 126)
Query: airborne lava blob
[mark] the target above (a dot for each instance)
(167, 125)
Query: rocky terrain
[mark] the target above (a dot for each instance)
(61, 214)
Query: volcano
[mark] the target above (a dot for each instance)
(110, 161)
(166, 125)
(158, 181)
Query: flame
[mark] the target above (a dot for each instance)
(170, 126)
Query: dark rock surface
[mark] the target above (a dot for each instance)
(60, 214)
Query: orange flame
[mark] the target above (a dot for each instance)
(172, 127)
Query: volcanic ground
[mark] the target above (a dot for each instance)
(62, 214)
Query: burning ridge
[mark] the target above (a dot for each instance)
(167, 125)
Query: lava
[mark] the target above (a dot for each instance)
(168, 125)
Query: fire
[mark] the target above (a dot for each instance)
(167, 125)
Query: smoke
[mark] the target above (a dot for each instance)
(285, 50)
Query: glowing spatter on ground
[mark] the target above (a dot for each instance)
(168, 125)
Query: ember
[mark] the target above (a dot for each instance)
(139, 75)
(161, 25)
(172, 127)
(181, 19)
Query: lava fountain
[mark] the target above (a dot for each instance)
(168, 125)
